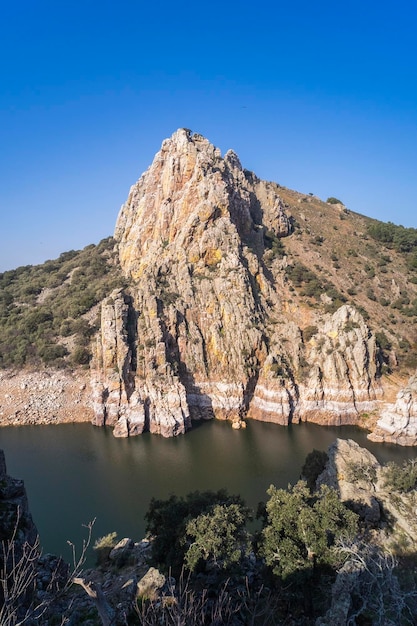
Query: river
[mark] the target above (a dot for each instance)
(75, 473)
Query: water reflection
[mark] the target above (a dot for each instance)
(75, 472)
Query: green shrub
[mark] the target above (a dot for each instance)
(103, 546)
(80, 356)
(301, 530)
(333, 200)
(383, 341)
(218, 537)
(51, 353)
(401, 478)
(273, 242)
(167, 522)
(71, 285)
(398, 237)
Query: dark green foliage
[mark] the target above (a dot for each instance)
(363, 312)
(38, 318)
(218, 536)
(167, 522)
(399, 238)
(401, 478)
(80, 356)
(52, 352)
(370, 270)
(350, 325)
(273, 242)
(333, 200)
(41, 304)
(383, 341)
(280, 367)
(412, 262)
(312, 286)
(313, 466)
(302, 528)
(301, 276)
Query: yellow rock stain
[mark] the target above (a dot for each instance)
(212, 256)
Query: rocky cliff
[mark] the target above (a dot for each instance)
(211, 325)
(221, 295)
(367, 486)
(16, 522)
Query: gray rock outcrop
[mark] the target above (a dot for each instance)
(361, 480)
(398, 421)
(205, 330)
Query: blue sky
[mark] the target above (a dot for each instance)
(320, 97)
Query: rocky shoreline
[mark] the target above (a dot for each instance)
(44, 397)
(52, 397)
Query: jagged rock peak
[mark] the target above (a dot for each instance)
(205, 330)
(188, 195)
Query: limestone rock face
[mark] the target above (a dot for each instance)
(353, 471)
(360, 480)
(342, 378)
(117, 400)
(398, 421)
(205, 329)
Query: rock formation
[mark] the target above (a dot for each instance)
(15, 518)
(360, 480)
(207, 328)
(353, 472)
(398, 421)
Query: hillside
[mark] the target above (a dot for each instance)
(227, 296)
(48, 312)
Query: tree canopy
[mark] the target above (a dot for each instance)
(301, 528)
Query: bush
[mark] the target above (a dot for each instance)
(70, 286)
(103, 546)
(50, 353)
(302, 528)
(333, 200)
(218, 536)
(398, 237)
(383, 341)
(80, 356)
(273, 242)
(309, 332)
(168, 521)
(401, 478)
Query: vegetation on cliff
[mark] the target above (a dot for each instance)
(48, 312)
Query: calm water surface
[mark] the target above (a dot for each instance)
(75, 472)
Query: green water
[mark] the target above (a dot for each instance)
(75, 472)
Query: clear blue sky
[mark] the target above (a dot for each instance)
(318, 96)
